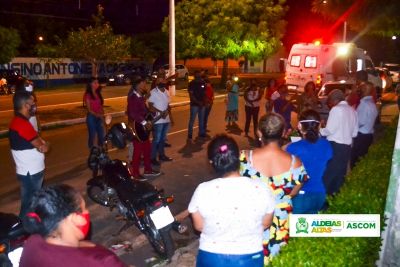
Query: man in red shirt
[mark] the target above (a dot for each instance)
(137, 111)
(27, 148)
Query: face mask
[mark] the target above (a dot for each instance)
(161, 85)
(85, 228)
(32, 110)
(29, 88)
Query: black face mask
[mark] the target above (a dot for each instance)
(161, 85)
(32, 110)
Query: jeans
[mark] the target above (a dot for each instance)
(206, 114)
(159, 135)
(95, 126)
(337, 167)
(30, 183)
(251, 113)
(208, 259)
(308, 203)
(360, 147)
(200, 112)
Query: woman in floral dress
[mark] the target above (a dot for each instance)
(285, 175)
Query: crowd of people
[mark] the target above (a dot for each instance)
(297, 178)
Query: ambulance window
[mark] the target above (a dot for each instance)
(359, 64)
(310, 62)
(295, 61)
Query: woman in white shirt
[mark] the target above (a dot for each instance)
(231, 212)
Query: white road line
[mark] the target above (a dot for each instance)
(65, 104)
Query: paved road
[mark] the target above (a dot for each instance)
(67, 163)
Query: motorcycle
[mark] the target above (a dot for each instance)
(139, 202)
(12, 237)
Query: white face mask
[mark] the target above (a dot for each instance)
(29, 88)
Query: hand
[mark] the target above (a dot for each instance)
(44, 148)
(148, 126)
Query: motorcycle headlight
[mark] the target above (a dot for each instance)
(3, 248)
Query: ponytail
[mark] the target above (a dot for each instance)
(310, 122)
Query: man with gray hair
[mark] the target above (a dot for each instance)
(367, 113)
(341, 128)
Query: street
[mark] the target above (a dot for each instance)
(66, 163)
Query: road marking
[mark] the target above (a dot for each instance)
(80, 103)
(64, 104)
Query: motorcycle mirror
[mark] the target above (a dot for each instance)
(108, 119)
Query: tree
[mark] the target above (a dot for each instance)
(149, 45)
(228, 29)
(96, 43)
(365, 16)
(10, 41)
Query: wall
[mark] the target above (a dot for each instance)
(58, 71)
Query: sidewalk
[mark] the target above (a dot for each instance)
(76, 113)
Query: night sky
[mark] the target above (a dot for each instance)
(56, 17)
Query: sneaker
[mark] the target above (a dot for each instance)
(152, 173)
(164, 158)
(155, 162)
(140, 178)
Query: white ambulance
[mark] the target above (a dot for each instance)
(321, 63)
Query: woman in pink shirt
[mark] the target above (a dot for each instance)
(95, 113)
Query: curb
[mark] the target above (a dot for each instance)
(113, 114)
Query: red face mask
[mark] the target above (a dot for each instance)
(85, 228)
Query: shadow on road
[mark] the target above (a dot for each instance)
(234, 129)
(191, 147)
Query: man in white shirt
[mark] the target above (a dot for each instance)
(340, 129)
(367, 113)
(159, 103)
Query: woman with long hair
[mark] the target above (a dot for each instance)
(282, 172)
(58, 222)
(95, 114)
(231, 211)
(314, 152)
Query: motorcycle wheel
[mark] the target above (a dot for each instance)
(98, 195)
(160, 240)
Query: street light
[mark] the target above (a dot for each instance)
(394, 37)
(40, 38)
(172, 43)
